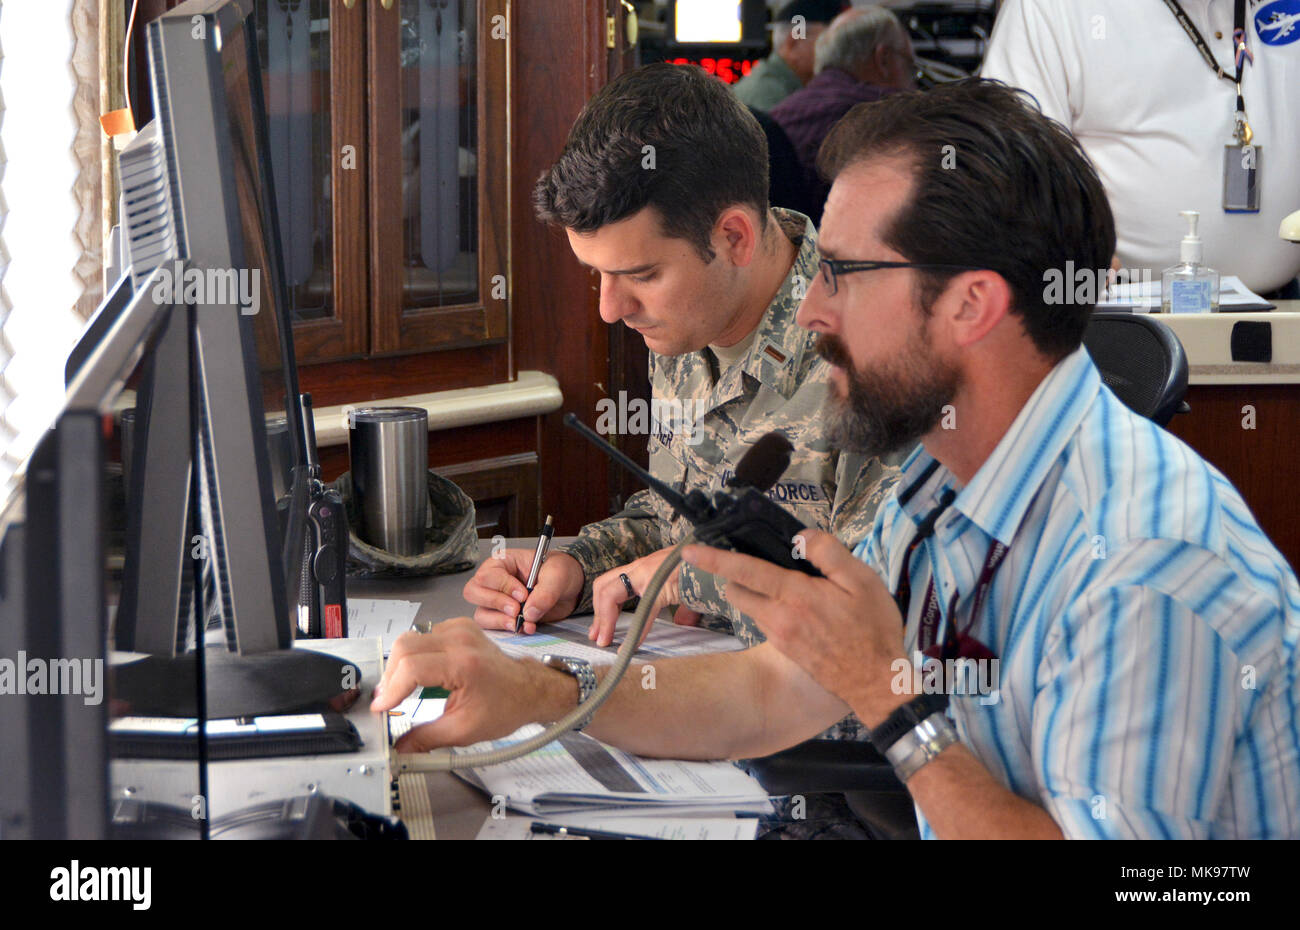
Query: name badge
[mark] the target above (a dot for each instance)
(1241, 178)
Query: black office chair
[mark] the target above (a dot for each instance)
(856, 770)
(1141, 360)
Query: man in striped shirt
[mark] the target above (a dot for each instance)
(1132, 632)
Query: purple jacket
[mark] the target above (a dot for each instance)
(808, 114)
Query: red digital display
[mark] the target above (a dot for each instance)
(730, 70)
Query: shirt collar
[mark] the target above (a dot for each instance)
(998, 496)
(779, 344)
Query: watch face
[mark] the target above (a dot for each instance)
(564, 663)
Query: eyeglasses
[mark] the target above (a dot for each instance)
(832, 268)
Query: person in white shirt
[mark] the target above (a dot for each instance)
(1130, 83)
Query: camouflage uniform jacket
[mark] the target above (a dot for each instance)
(700, 430)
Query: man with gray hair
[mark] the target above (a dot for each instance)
(795, 30)
(866, 54)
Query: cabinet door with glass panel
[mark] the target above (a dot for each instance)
(388, 128)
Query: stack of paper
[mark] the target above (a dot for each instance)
(578, 773)
(579, 782)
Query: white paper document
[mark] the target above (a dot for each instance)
(384, 619)
(414, 711)
(520, 827)
(569, 638)
(577, 773)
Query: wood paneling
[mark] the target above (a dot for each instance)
(629, 368)
(362, 380)
(1261, 462)
(560, 61)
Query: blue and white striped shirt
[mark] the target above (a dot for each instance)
(1146, 628)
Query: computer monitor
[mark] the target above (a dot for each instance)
(199, 219)
(201, 210)
(53, 596)
(737, 23)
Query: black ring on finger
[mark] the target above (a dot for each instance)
(627, 584)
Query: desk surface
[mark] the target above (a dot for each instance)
(458, 810)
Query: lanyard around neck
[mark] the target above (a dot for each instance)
(1241, 53)
(927, 633)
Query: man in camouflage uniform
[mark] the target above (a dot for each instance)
(721, 375)
(779, 384)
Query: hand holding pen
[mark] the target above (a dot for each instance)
(498, 594)
(543, 544)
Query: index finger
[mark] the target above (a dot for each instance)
(408, 673)
(413, 643)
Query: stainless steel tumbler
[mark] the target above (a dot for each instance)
(389, 448)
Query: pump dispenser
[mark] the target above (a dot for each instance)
(1189, 286)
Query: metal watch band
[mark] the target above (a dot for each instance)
(920, 745)
(579, 669)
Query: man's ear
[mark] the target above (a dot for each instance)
(736, 236)
(976, 302)
(877, 72)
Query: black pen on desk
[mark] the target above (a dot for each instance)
(543, 543)
(551, 829)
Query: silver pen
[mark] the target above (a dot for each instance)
(543, 543)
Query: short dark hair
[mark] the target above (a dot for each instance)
(996, 184)
(709, 154)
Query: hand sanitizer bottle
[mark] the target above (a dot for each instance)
(1189, 286)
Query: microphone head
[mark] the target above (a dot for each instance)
(764, 463)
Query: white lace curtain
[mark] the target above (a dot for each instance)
(51, 204)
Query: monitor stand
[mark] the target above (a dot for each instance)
(260, 684)
(194, 385)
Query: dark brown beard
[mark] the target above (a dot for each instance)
(891, 407)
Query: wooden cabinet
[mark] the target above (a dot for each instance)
(312, 55)
(1248, 432)
(388, 141)
(409, 134)
(504, 491)
(437, 74)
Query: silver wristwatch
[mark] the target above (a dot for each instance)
(920, 745)
(579, 669)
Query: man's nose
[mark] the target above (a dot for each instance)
(614, 302)
(814, 311)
